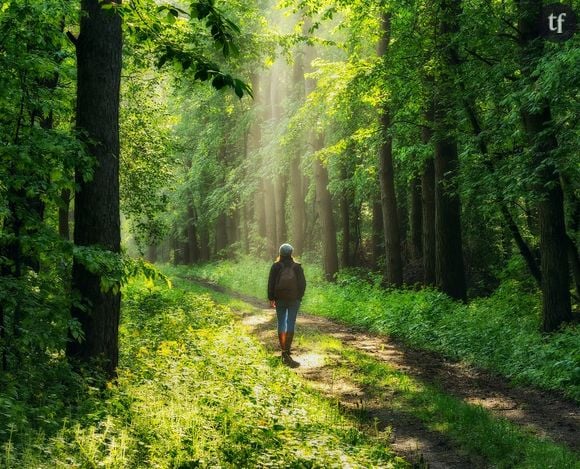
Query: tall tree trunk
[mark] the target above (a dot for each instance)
(204, 249)
(280, 202)
(416, 218)
(393, 274)
(378, 247)
(63, 214)
(325, 213)
(192, 245)
(428, 206)
(556, 307)
(221, 233)
(298, 218)
(346, 205)
(298, 207)
(270, 204)
(152, 253)
(449, 267)
(97, 221)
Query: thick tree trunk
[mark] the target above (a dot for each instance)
(556, 307)
(97, 221)
(416, 218)
(393, 274)
(449, 267)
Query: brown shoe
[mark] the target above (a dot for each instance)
(288, 360)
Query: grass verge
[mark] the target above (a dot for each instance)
(194, 390)
(490, 440)
(499, 333)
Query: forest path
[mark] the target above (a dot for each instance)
(545, 414)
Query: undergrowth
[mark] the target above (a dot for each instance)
(193, 390)
(499, 333)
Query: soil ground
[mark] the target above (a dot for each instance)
(545, 414)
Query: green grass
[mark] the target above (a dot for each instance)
(485, 437)
(499, 333)
(194, 390)
(499, 442)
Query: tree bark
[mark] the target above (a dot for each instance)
(325, 213)
(378, 247)
(393, 274)
(270, 205)
(428, 208)
(97, 220)
(556, 306)
(416, 219)
(449, 267)
(221, 233)
(280, 202)
(192, 244)
(345, 208)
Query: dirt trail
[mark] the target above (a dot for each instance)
(545, 414)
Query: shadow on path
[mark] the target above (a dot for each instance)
(545, 414)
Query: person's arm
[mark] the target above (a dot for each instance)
(272, 283)
(301, 282)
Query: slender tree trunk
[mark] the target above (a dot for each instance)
(556, 307)
(270, 204)
(152, 253)
(325, 213)
(204, 249)
(416, 219)
(97, 221)
(280, 202)
(428, 206)
(192, 244)
(221, 233)
(377, 233)
(63, 214)
(391, 229)
(346, 204)
(298, 218)
(298, 207)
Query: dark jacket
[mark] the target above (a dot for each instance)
(275, 271)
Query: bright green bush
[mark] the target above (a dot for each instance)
(500, 332)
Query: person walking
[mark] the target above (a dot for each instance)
(286, 287)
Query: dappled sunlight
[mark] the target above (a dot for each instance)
(255, 320)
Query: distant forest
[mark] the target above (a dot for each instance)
(434, 141)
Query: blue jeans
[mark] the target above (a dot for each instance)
(286, 310)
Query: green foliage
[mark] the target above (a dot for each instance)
(193, 390)
(500, 333)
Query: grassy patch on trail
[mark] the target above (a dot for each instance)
(500, 333)
(500, 443)
(195, 391)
